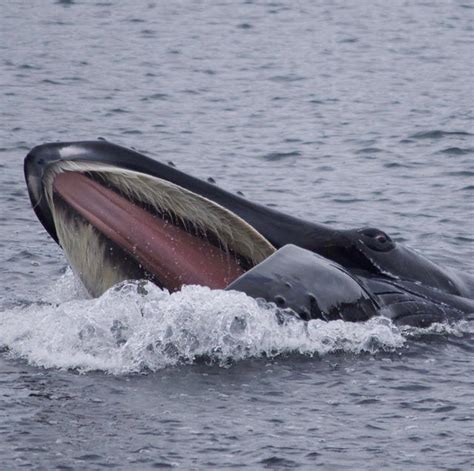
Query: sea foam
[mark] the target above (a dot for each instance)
(136, 327)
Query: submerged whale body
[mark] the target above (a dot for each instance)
(119, 215)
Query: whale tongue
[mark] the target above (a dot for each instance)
(174, 256)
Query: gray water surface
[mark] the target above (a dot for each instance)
(345, 113)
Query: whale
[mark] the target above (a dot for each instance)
(120, 215)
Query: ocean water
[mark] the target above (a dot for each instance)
(346, 113)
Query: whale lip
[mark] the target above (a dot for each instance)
(35, 165)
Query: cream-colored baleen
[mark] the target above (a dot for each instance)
(87, 251)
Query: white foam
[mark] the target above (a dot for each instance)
(137, 327)
(458, 329)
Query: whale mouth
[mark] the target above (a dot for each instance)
(115, 224)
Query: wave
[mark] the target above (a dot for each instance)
(136, 327)
(438, 134)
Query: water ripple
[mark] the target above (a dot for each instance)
(438, 134)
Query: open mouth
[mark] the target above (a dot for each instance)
(116, 224)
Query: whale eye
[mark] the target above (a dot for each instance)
(376, 239)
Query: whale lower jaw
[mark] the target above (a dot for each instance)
(96, 260)
(116, 224)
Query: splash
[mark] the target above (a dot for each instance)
(137, 327)
(460, 329)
